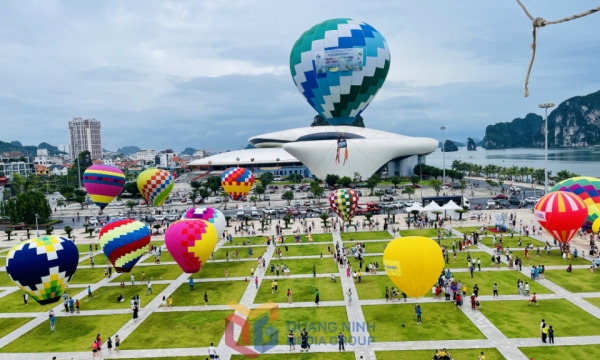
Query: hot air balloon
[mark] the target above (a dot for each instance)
(209, 214)
(237, 182)
(414, 264)
(343, 202)
(124, 242)
(561, 213)
(103, 183)
(339, 66)
(588, 189)
(155, 185)
(43, 266)
(191, 242)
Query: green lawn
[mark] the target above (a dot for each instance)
(3, 261)
(84, 249)
(506, 280)
(106, 296)
(554, 258)
(87, 276)
(366, 235)
(518, 320)
(580, 280)
(509, 242)
(305, 266)
(348, 355)
(217, 270)
(12, 303)
(219, 293)
(153, 272)
(561, 352)
(242, 252)
(8, 325)
(308, 249)
(430, 233)
(303, 290)
(467, 230)
(170, 329)
(372, 287)
(461, 259)
(440, 322)
(72, 334)
(458, 354)
(254, 240)
(165, 256)
(5, 279)
(593, 301)
(320, 322)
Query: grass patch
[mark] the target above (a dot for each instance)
(303, 290)
(242, 252)
(561, 352)
(5, 279)
(305, 250)
(169, 329)
(247, 240)
(332, 320)
(490, 354)
(72, 334)
(12, 303)
(217, 270)
(3, 261)
(87, 276)
(593, 301)
(366, 235)
(372, 287)
(305, 266)
(153, 272)
(106, 296)
(165, 256)
(506, 280)
(462, 263)
(580, 280)
(219, 293)
(430, 233)
(518, 320)
(348, 355)
(8, 325)
(84, 249)
(453, 325)
(509, 242)
(554, 259)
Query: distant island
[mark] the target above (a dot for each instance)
(128, 150)
(29, 150)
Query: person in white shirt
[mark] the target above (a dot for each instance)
(212, 353)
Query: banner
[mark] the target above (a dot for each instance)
(338, 60)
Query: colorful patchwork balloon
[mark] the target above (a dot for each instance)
(43, 266)
(588, 189)
(343, 202)
(191, 242)
(103, 183)
(237, 182)
(209, 214)
(561, 213)
(155, 185)
(339, 66)
(124, 242)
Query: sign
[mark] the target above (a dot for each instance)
(3, 180)
(330, 61)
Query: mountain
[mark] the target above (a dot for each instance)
(456, 144)
(128, 150)
(52, 150)
(575, 122)
(471, 145)
(28, 150)
(450, 146)
(188, 151)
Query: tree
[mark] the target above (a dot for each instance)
(289, 196)
(462, 185)
(331, 180)
(68, 230)
(60, 203)
(130, 204)
(246, 218)
(316, 189)
(227, 219)
(49, 230)
(196, 185)
(295, 178)
(266, 179)
(157, 226)
(379, 193)
(253, 199)
(79, 196)
(373, 181)
(395, 180)
(8, 232)
(460, 212)
(415, 179)
(259, 190)
(564, 175)
(131, 188)
(409, 190)
(213, 183)
(344, 181)
(193, 197)
(286, 219)
(82, 162)
(25, 206)
(204, 193)
(437, 186)
(225, 198)
(324, 217)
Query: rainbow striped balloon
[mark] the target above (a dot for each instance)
(237, 182)
(124, 242)
(155, 185)
(588, 189)
(103, 183)
(561, 213)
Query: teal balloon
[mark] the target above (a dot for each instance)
(339, 66)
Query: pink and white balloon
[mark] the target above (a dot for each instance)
(212, 215)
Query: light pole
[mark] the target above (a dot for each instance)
(443, 128)
(546, 107)
(78, 172)
(37, 230)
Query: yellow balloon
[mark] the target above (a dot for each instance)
(414, 264)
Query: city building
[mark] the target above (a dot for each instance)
(58, 170)
(42, 158)
(10, 168)
(321, 150)
(145, 155)
(164, 159)
(41, 170)
(85, 135)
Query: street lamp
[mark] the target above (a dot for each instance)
(443, 128)
(546, 107)
(37, 230)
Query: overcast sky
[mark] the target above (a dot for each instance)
(210, 74)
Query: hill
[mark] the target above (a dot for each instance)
(28, 150)
(128, 150)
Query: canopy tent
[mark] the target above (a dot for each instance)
(415, 206)
(432, 206)
(451, 205)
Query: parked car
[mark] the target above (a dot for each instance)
(514, 200)
(531, 199)
(269, 211)
(500, 196)
(217, 199)
(267, 198)
(387, 198)
(491, 202)
(503, 203)
(19, 226)
(397, 204)
(311, 196)
(388, 191)
(303, 196)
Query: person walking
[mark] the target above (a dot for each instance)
(212, 352)
(135, 311)
(341, 340)
(289, 296)
(109, 345)
(256, 282)
(205, 298)
(252, 271)
(550, 335)
(149, 290)
(419, 312)
(90, 292)
(191, 284)
(314, 270)
(71, 305)
(26, 298)
(52, 319)
(132, 276)
(117, 343)
(291, 340)
(544, 333)
(349, 295)
(317, 297)
(495, 290)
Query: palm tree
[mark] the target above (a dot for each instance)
(324, 217)
(68, 230)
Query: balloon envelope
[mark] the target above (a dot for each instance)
(191, 242)
(155, 185)
(413, 263)
(588, 189)
(339, 66)
(343, 202)
(43, 266)
(561, 213)
(209, 214)
(124, 242)
(103, 183)
(237, 182)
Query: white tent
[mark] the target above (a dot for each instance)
(414, 207)
(432, 206)
(451, 207)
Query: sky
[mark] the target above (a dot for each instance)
(211, 74)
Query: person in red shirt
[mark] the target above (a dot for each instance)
(458, 300)
(533, 300)
(473, 302)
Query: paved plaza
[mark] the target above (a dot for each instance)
(191, 319)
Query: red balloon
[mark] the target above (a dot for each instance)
(562, 214)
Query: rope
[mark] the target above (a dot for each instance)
(538, 23)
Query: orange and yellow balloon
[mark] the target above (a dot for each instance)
(414, 264)
(237, 182)
(191, 242)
